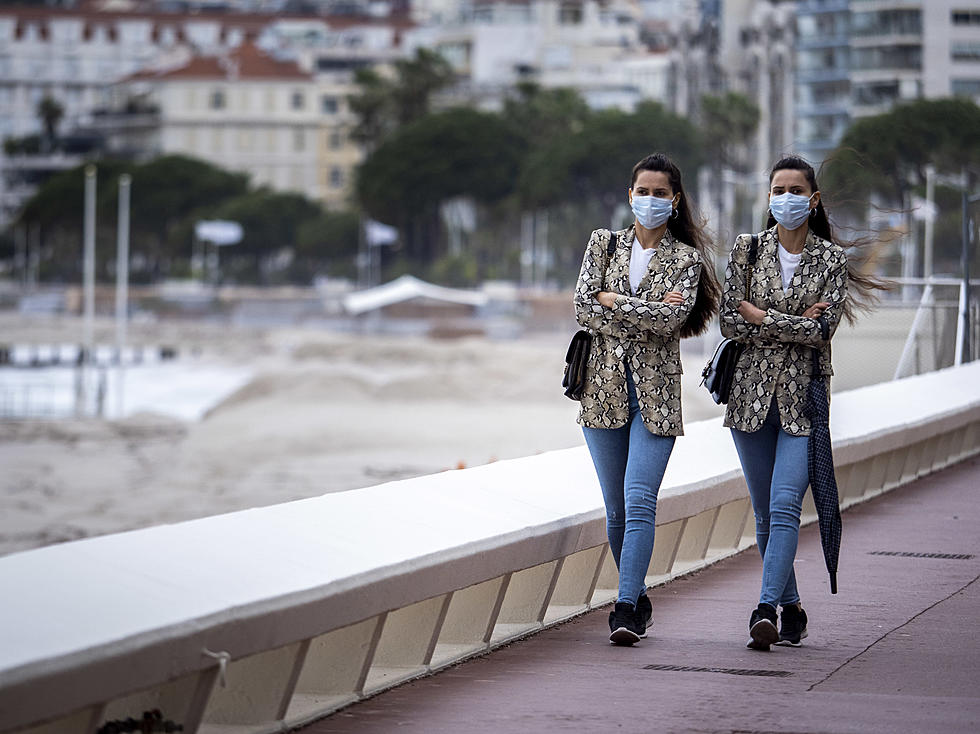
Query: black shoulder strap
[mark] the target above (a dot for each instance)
(754, 249)
(613, 241)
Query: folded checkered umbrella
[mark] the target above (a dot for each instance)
(820, 466)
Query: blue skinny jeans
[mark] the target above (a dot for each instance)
(630, 463)
(775, 468)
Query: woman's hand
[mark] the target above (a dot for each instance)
(816, 310)
(607, 298)
(751, 313)
(674, 298)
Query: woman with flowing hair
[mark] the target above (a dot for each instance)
(640, 290)
(800, 285)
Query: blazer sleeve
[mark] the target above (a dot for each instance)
(662, 319)
(784, 327)
(733, 324)
(589, 313)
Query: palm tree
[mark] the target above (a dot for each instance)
(50, 111)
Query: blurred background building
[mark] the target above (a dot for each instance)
(264, 87)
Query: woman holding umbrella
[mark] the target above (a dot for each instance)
(785, 292)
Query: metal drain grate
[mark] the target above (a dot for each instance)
(728, 671)
(907, 554)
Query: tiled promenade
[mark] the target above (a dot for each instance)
(898, 650)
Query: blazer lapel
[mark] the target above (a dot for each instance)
(619, 263)
(767, 270)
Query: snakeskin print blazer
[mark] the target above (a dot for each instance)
(639, 330)
(777, 359)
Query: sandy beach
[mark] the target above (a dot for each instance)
(324, 412)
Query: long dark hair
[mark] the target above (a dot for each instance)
(862, 289)
(684, 228)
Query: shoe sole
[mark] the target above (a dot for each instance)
(623, 636)
(764, 634)
(786, 642)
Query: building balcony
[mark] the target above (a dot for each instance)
(112, 120)
(22, 163)
(819, 7)
(838, 109)
(807, 43)
(816, 76)
(873, 40)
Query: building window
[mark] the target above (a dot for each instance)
(875, 94)
(887, 23)
(966, 87)
(336, 178)
(245, 139)
(889, 57)
(329, 105)
(966, 17)
(297, 100)
(570, 14)
(218, 100)
(965, 51)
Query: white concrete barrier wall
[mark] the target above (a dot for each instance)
(260, 620)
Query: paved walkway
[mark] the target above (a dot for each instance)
(898, 650)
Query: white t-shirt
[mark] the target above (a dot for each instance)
(787, 265)
(639, 262)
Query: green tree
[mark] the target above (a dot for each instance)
(384, 104)
(727, 124)
(887, 154)
(50, 112)
(542, 115)
(883, 159)
(167, 193)
(271, 222)
(328, 244)
(459, 152)
(595, 163)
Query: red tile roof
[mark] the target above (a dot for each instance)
(244, 62)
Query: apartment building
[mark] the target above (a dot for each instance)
(823, 75)
(861, 57)
(244, 110)
(590, 46)
(903, 51)
(98, 65)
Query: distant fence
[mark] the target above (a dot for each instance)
(57, 355)
(261, 620)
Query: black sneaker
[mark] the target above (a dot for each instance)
(762, 627)
(625, 625)
(645, 609)
(792, 626)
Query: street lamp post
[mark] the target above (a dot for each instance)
(88, 291)
(122, 283)
(963, 346)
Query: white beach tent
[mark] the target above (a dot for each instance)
(409, 288)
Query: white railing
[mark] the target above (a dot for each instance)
(317, 603)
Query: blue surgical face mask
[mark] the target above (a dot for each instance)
(651, 211)
(790, 210)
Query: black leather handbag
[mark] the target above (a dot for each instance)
(577, 356)
(718, 373)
